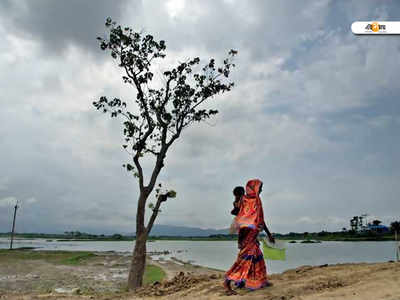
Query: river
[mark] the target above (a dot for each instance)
(221, 254)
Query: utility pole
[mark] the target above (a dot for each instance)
(397, 246)
(13, 226)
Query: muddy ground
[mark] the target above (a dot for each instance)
(104, 275)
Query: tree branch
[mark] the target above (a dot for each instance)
(166, 98)
(133, 76)
(161, 198)
(140, 171)
(160, 158)
(157, 168)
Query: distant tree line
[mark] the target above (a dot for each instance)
(345, 234)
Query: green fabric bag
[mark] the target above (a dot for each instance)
(273, 251)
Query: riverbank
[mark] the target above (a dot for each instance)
(102, 275)
(81, 272)
(98, 272)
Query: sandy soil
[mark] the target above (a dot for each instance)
(344, 281)
(104, 277)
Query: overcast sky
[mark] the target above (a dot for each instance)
(314, 114)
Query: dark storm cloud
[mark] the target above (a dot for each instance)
(314, 114)
(58, 24)
(219, 25)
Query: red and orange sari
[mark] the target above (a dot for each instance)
(249, 269)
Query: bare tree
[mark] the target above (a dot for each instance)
(162, 114)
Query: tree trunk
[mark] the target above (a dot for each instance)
(138, 263)
(135, 279)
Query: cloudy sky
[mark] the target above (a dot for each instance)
(314, 114)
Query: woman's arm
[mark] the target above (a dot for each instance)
(270, 236)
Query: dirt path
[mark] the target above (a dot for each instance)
(344, 281)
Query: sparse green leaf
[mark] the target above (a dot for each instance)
(171, 194)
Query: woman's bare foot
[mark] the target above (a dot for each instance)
(230, 293)
(228, 289)
(268, 284)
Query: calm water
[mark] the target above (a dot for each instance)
(221, 254)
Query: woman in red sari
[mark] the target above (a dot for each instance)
(249, 269)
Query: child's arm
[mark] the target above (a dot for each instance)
(237, 203)
(236, 207)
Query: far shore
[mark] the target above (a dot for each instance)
(297, 238)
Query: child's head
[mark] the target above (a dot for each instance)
(238, 191)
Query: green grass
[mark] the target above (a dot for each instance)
(77, 259)
(60, 257)
(152, 274)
